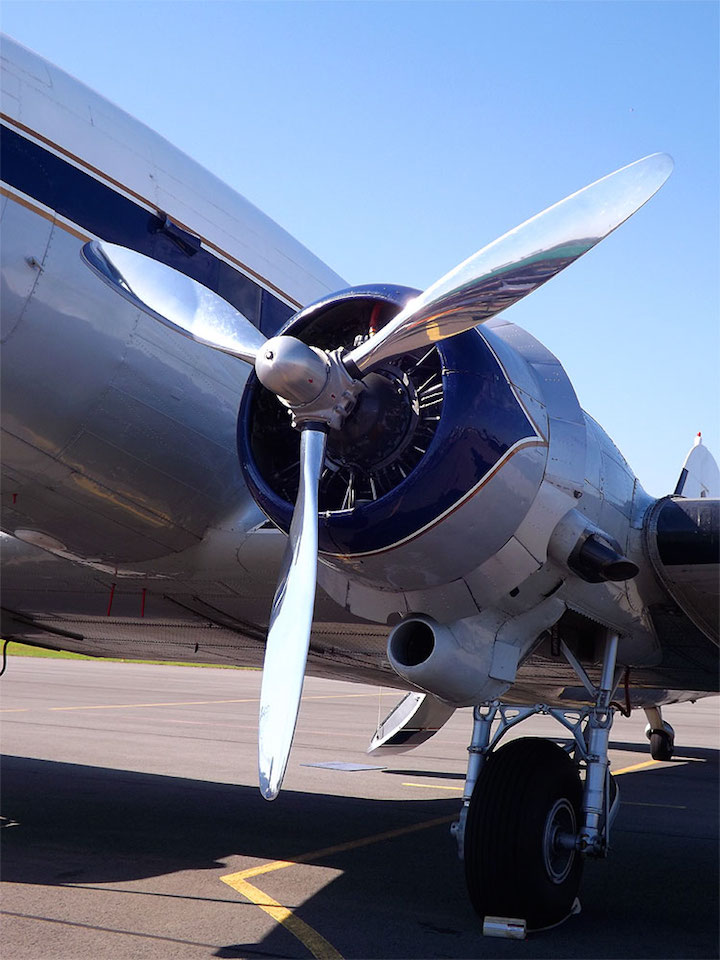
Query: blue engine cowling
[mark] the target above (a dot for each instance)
(435, 426)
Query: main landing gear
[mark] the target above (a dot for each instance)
(528, 820)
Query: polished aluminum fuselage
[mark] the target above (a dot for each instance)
(118, 437)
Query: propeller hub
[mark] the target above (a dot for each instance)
(292, 370)
(381, 424)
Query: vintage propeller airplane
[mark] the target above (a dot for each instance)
(478, 538)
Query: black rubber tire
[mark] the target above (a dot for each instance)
(661, 746)
(505, 868)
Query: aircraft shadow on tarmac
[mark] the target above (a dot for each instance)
(84, 825)
(693, 753)
(79, 823)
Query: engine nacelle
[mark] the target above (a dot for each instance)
(432, 473)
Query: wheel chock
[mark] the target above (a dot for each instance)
(510, 928)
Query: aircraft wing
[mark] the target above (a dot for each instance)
(49, 601)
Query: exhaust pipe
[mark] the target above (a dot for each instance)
(451, 662)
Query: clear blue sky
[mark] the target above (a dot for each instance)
(394, 139)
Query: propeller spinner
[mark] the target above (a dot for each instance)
(321, 388)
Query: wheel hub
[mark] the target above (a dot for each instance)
(559, 840)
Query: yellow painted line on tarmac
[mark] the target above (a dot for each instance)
(340, 696)
(636, 766)
(654, 763)
(433, 786)
(192, 703)
(615, 773)
(338, 848)
(14, 709)
(167, 703)
(314, 941)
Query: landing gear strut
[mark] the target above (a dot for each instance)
(528, 820)
(660, 734)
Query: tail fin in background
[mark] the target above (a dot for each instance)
(700, 476)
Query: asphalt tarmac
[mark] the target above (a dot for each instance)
(133, 828)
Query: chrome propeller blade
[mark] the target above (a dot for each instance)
(296, 373)
(511, 267)
(290, 623)
(174, 299)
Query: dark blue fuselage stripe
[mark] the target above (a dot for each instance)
(101, 210)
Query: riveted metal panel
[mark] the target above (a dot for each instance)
(618, 483)
(25, 237)
(382, 606)
(549, 506)
(501, 573)
(614, 520)
(593, 450)
(566, 456)
(168, 448)
(520, 341)
(68, 319)
(451, 601)
(557, 392)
